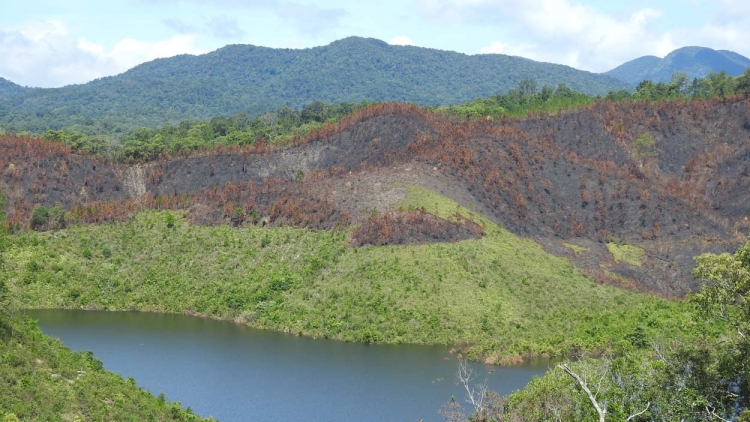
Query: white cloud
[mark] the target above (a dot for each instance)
(309, 18)
(580, 35)
(225, 27)
(46, 54)
(523, 50)
(130, 52)
(401, 40)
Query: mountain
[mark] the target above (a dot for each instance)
(9, 88)
(246, 78)
(697, 62)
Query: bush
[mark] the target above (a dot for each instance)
(39, 218)
(645, 146)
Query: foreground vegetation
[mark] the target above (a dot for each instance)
(704, 380)
(40, 379)
(500, 297)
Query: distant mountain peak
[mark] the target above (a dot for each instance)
(696, 61)
(358, 42)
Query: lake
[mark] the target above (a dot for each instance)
(236, 373)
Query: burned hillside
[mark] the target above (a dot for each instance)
(669, 177)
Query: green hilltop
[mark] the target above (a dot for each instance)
(254, 80)
(695, 62)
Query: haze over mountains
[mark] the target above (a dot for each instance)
(697, 62)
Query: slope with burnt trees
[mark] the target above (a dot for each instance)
(666, 178)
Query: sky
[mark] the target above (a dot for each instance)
(51, 43)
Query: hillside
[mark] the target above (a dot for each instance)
(245, 78)
(696, 62)
(661, 181)
(43, 380)
(8, 88)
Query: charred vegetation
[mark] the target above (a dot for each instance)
(670, 177)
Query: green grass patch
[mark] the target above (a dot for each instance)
(575, 248)
(628, 253)
(501, 294)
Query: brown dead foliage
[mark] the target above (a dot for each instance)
(413, 228)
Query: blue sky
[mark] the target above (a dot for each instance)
(53, 43)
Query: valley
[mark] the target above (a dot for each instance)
(605, 233)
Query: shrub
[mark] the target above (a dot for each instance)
(644, 146)
(39, 218)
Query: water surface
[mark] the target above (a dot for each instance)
(236, 373)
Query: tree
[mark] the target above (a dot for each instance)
(39, 217)
(743, 82)
(721, 84)
(488, 405)
(475, 394)
(527, 87)
(726, 297)
(170, 220)
(238, 215)
(546, 93)
(679, 82)
(564, 91)
(599, 406)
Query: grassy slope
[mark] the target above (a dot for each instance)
(40, 379)
(501, 294)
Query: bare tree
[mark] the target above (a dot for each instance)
(635, 415)
(584, 383)
(601, 410)
(453, 411)
(476, 394)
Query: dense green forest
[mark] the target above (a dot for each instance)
(528, 98)
(8, 88)
(255, 80)
(695, 62)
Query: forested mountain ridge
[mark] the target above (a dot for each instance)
(696, 62)
(9, 88)
(246, 78)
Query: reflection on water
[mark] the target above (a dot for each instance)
(236, 373)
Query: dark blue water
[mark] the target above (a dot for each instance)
(236, 373)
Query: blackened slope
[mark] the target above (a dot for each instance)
(37, 172)
(576, 175)
(701, 150)
(374, 141)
